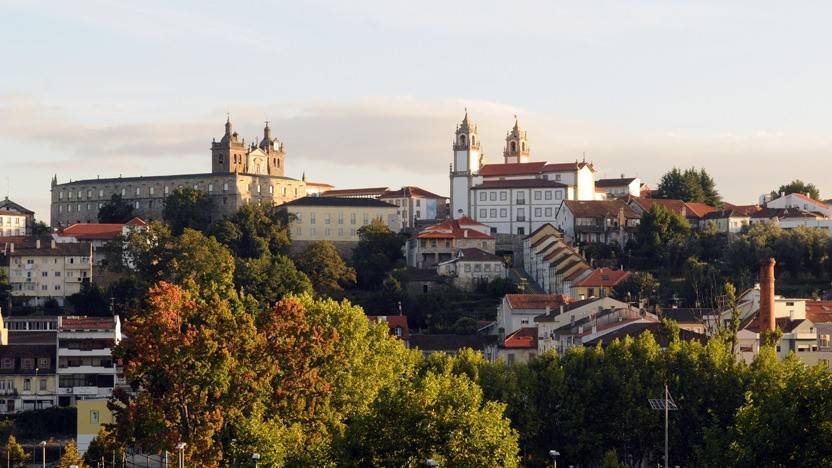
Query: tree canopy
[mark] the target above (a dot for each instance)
(188, 208)
(115, 210)
(379, 249)
(325, 268)
(689, 185)
(798, 186)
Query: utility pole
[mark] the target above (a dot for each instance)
(666, 424)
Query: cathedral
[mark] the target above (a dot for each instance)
(240, 173)
(517, 195)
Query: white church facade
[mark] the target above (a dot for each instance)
(518, 195)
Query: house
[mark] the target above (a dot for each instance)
(92, 415)
(692, 212)
(603, 221)
(731, 219)
(27, 369)
(396, 323)
(801, 202)
(518, 311)
(453, 344)
(790, 218)
(41, 269)
(551, 262)
(337, 219)
(86, 368)
(599, 283)
(552, 335)
(97, 234)
(695, 319)
(15, 220)
(472, 267)
(635, 328)
(617, 188)
(520, 346)
(314, 189)
(369, 192)
(441, 242)
(416, 204)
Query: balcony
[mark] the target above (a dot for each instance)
(65, 369)
(103, 352)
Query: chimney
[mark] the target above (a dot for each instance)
(465, 233)
(37, 243)
(766, 317)
(11, 247)
(53, 243)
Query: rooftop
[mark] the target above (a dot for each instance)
(614, 182)
(99, 231)
(86, 323)
(337, 201)
(164, 177)
(603, 277)
(356, 192)
(462, 228)
(518, 183)
(536, 301)
(524, 338)
(451, 342)
(600, 208)
(410, 191)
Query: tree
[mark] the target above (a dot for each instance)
(116, 210)
(636, 287)
(797, 186)
(256, 229)
(662, 235)
(5, 289)
(270, 278)
(71, 457)
(15, 454)
(689, 185)
(377, 252)
(188, 208)
(40, 229)
(103, 446)
(325, 268)
(438, 415)
(89, 300)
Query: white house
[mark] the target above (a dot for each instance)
(568, 315)
(802, 202)
(416, 204)
(621, 187)
(603, 221)
(86, 368)
(471, 267)
(517, 311)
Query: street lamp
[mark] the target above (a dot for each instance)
(43, 453)
(554, 454)
(431, 462)
(256, 458)
(180, 447)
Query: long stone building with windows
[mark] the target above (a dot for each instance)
(240, 173)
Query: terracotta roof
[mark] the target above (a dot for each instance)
(410, 191)
(688, 210)
(614, 182)
(99, 231)
(338, 201)
(638, 328)
(9, 205)
(804, 197)
(567, 167)
(518, 183)
(524, 338)
(699, 209)
(491, 170)
(603, 277)
(536, 301)
(62, 249)
(733, 211)
(319, 184)
(393, 322)
(86, 323)
(600, 208)
(377, 191)
(577, 274)
(462, 228)
(566, 308)
(819, 311)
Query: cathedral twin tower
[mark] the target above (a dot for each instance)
(467, 154)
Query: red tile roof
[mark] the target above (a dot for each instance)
(819, 311)
(699, 209)
(411, 191)
(86, 323)
(536, 301)
(603, 277)
(524, 338)
(519, 183)
(567, 167)
(99, 231)
(462, 228)
(358, 192)
(809, 199)
(393, 322)
(600, 208)
(492, 170)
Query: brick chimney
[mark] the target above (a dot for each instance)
(766, 317)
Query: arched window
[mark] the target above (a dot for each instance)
(513, 147)
(473, 140)
(220, 159)
(462, 140)
(523, 146)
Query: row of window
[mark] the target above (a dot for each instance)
(537, 195)
(327, 218)
(137, 191)
(26, 363)
(55, 260)
(8, 385)
(327, 232)
(478, 267)
(11, 220)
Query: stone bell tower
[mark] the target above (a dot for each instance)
(517, 145)
(467, 163)
(228, 154)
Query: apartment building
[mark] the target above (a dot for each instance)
(42, 269)
(86, 369)
(338, 219)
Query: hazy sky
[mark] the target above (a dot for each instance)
(369, 93)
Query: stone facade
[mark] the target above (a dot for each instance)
(240, 175)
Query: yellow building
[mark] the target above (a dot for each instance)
(338, 219)
(27, 371)
(92, 414)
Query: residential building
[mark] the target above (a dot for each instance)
(695, 319)
(369, 192)
(338, 219)
(634, 328)
(731, 219)
(518, 311)
(416, 204)
(597, 221)
(472, 267)
(599, 283)
(92, 415)
(15, 220)
(240, 174)
(567, 325)
(98, 235)
(520, 346)
(801, 202)
(397, 324)
(621, 187)
(453, 344)
(441, 242)
(692, 212)
(551, 262)
(42, 269)
(515, 196)
(86, 368)
(27, 370)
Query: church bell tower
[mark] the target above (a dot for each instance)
(467, 163)
(517, 145)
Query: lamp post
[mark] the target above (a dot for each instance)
(180, 447)
(43, 452)
(256, 457)
(554, 454)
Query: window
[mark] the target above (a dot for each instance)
(493, 212)
(521, 231)
(493, 196)
(138, 204)
(558, 195)
(487, 267)
(503, 196)
(538, 212)
(340, 217)
(467, 267)
(352, 218)
(521, 198)
(328, 219)
(521, 214)
(557, 177)
(483, 196)
(477, 267)
(225, 187)
(42, 385)
(538, 195)
(418, 202)
(7, 363)
(503, 212)
(483, 213)
(548, 212)
(547, 195)
(27, 363)
(27, 385)
(94, 418)
(43, 363)
(312, 218)
(366, 218)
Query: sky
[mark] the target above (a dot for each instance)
(368, 93)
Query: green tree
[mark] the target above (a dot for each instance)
(270, 278)
(15, 454)
(636, 287)
(689, 185)
(798, 186)
(188, 208)
(256, 229)
(71, 457)
(662, 236)
(116, 210)
(5, 289)
(378, 251)
(325, 268)
(90, 300)
(438, 415)
(103, 446)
